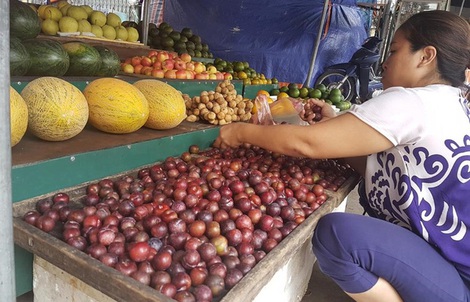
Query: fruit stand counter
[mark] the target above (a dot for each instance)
(41, 167)
(282, 275)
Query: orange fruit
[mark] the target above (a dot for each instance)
(282, 95)
(266, 93)
(242, 75)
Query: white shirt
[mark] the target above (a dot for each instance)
(423, 182)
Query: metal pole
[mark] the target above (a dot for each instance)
(7, 263)
(461, 7)
(386, 33)
(145, 21)
(317, 43)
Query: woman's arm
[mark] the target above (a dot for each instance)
(339, 137)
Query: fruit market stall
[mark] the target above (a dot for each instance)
(113, 284)
(81, 125)
(71, 157)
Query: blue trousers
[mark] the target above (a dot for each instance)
(355, 250)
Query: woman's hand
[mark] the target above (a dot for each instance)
(316, 110)
(228, 136)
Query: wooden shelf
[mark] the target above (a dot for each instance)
(124, 49)
(31, 149)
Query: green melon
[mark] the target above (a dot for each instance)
(110, 62)
(20, 60)
(24, 21)
(85, 60)
(48, 57)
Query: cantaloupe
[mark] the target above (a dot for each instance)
(57, 110)
(166, 104)
(18, 117)
(116, 106)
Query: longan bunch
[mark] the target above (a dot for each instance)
(311, 112)
(219, 107)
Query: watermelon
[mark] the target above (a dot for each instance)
(48, 57)
(24, 21)
(20, 60)
(110, 62)
(85, 60)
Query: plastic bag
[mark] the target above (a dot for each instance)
(262, 116)
(284, 110)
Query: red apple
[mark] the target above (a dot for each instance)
(227, 76)
(138, 68)
(180, 65)
(186, 57)
(181, 74)
(158, 73)
(157, 65)
(173, 55)
(168, 64)
(170, 74)
(162, 56)
(219, 75)
(136, 61)
(146, 70)
(190, 66)
(190, 74)
(152, 53)
(202, 76)
(145, 61)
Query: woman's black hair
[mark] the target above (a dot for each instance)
(449, 34)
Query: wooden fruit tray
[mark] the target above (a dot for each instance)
(120, 287)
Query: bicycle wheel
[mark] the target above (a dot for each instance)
(332, 78)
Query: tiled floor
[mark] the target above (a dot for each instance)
(321, 288)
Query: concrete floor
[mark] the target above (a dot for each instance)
(321, 288)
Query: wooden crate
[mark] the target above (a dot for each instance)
(283, 274)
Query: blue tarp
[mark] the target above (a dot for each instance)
(276, 37)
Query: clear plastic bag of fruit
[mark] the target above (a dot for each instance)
(262, 113)
(284, 110)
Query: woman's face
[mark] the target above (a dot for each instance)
(400, 68)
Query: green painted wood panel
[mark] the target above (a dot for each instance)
(190, 87)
